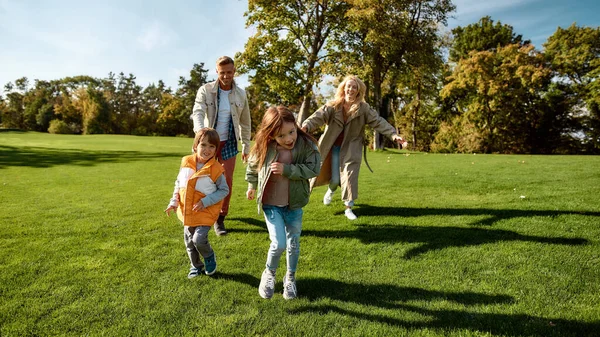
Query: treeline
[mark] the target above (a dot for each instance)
(112, 105)
(483, 88)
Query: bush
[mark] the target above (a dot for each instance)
(59, 127)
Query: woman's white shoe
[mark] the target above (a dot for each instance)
(349, 214)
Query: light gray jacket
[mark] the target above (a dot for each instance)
(205, 111)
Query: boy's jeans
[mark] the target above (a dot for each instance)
(196, 244)
(284, 227)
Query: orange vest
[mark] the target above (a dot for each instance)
(188, 195)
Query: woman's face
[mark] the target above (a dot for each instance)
(287, 135)
(350, 91)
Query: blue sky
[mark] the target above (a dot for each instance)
(52, 39)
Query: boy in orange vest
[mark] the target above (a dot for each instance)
(199, 192)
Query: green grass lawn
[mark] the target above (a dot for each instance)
(465, 245)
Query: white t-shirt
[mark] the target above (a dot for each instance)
(223, 115)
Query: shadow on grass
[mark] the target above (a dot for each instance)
(46, 157)
(484, 323)
(493, 215)
(436, 238)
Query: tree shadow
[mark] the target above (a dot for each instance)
(492, 215)
(392, 297)
(248, 279)
(484, 323)
(40, 157)
(248, 221)
(436, 238)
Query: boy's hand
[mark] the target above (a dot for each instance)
(170, 209)
(250, 194)
(198, 206)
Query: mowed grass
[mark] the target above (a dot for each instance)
(466, 245)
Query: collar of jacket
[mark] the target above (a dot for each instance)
(215, 86)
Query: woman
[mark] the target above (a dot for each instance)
(341, 144)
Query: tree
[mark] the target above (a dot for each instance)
(186, 92)
(506, 103)
(389, 37)
(285, 54)
(484, 35)
(574, 55)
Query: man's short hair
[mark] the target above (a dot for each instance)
(223, 60)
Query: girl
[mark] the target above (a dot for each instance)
(282, 161)
(199, 192)
(346, 117)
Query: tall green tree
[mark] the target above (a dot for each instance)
(481, 36)
(186, 92)
(286, 52)
(574, 55)
(504, 112)
(386, 40)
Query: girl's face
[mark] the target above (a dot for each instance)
(205, 151)
(287, 135)
(350, 91)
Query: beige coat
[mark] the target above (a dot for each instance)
(351, 150)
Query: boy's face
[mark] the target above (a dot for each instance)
(225, 73)
(205, 151)
(287, 135)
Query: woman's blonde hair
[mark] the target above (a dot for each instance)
(338, 101)
(270, 125)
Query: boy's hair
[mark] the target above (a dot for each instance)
(223, 60)
(340, 93)
(271, 123)
(209, 134)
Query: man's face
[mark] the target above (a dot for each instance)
(225, 73)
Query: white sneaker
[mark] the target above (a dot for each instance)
(327, 197)
(289, 287)
(267, 284)
(349, 214)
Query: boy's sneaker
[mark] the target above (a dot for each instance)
(289, 286)
(267, 284)
(210, 263)
(349, 214)
(194, 272)
(327, 197)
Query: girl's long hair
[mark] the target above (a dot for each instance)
(270, 125)
(338, 101)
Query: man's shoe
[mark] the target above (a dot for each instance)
(220, 226)
(267, 284)
(327, 197)
(349, 214)
(289, 286)
(210, 263)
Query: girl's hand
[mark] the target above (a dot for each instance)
(250, 194)
(198, 206)
(277, 168)
(170, 209)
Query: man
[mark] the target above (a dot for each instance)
(222, 105)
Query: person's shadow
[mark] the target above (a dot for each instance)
(345, 296)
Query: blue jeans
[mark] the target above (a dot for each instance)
(334, 182)
(284, 227)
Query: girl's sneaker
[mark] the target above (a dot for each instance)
(210, 263)
(267, 284)
(289, 286)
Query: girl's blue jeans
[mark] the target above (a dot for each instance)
(284, 227)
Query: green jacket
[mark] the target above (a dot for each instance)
(306, 164)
